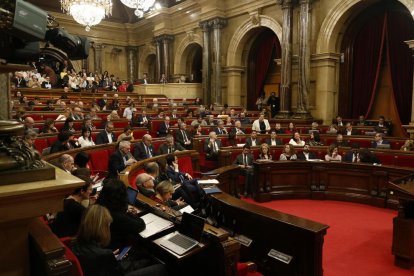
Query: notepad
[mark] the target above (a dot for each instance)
(212, 190)
(154, 224)
(208, 182)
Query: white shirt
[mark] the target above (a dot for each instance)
(109, 137)
(293, 142)
(256, 125)
(85, 142)
(127, 113)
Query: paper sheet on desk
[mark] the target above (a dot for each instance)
(207, 182)
(154, 224)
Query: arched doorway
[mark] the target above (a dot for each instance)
(194, 62)
(149, 68)
(376, 74)
(263, 74)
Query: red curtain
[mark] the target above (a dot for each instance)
(367, 53)
(400, 27)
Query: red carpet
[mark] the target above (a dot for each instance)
(358, 241)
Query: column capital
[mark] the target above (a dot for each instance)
(304, 2)
(132, 48)
(205, 25)
(218, 22)
(165, 38)
(98, 46)
(286, 4)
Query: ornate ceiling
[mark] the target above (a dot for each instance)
(120, 12)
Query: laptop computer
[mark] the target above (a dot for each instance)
(187, 237)
(132, 195)
(384, 146)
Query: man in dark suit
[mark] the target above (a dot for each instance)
(279, 129)
(306, 154)
(120, 159)
(273, 141)
(245, 162)
(352, 156)
(183, 136)
(349, 131)
(144, 149)
(383, 126)
(253, 141)
(212, 146)
(220, 129)
(62, 143)
(164, 128)
(170, 146)
(340, 142)
(378, 140)
(237, 130)
(142, 120)
(49, 106)
(102, 102)
(106, 136)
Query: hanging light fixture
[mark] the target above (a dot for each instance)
(87, 12)
(140, 6)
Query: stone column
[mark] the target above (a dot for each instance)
(410, 130)
(286, 69)
(132, 63)
(206, 83)
(236, 94)
(98, 56)
(85, 64)
(158, 60)
(217, 24)
(302, 111)
(166, 39)
(5, 99)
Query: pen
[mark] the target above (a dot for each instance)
(212, 231)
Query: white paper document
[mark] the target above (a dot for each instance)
(208, 182)
(154, 224)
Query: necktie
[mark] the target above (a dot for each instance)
(185, 136)
(169, 150)
(245, 160)
(214, 147)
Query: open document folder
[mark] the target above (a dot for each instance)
(154, 224)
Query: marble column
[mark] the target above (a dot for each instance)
(158, 59)
(132, 63)
(410, 130)
(206, 67)
(5, 99)
(302, 111)
(217, 24)
(166, 39)
(286, 68)
(98, 56)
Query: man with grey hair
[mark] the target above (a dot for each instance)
(120, 159)
(220, 129)
(66, 163)
(212, 146)
(170, 146)
(183, 136)
(144, 149)
(145, 184)
(28, 125)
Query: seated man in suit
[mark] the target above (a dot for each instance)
(145, 184)
(279, 129)
(237, 130)
(349, 130)
(338, 121)
(352, 156)
(340, 142)
(245, 162)
(378, 140)
(170, 146)
(62, 143)
(220, 129)
(106, 136)
(253, 141)
(142, 120)
(144, 149)
(183, 136)
(306, 154)
(383, 126)
(273, 141)
(103, 101)
(243, 119)
(164, 128)
(120, 159)
(212, 146)
(66, 163)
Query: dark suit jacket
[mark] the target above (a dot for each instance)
(348, 157)
(58, 146)
(301, 156)
(384, 142)
(239, 159)
(353, 132)
(219, 131)
(140, 120)
(176, 177)
(140, 152)
(102, 103)
(269, 142)
(164, 148)
(249, 142)
(102, 138)
(163, 131)
(115, 164)
(180, 137)
(234, 131)
(208, 150)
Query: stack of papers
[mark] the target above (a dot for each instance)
(154, 224)
(208, 182)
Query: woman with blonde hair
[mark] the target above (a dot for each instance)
(113, 116)
(264, 152)
(164, 192)
(288, 153)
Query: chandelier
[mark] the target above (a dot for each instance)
(87, 12)
(140, 6)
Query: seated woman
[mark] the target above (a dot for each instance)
(90, 248)
(126, 225)
(264, 152)
(68, 125)
(296, 140)
(49, 126)
(113, 116)
(67, 222)
(288, 153)
(66, 114)
(291, 129)
(85, 140)
(332, 154)
(315, 139)
(163, 195)
(126, 135)
(408, 145)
